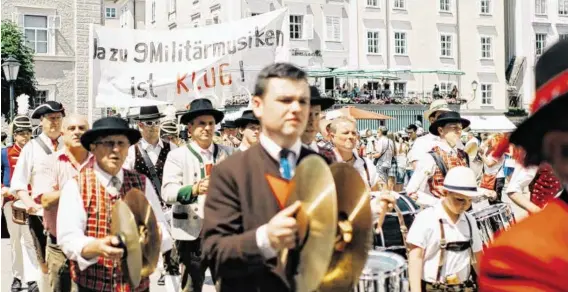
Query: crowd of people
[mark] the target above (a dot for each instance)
(216, 208)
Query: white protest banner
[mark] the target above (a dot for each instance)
(140, 67)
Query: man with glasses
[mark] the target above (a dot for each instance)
(50, 115)
(20, 237)
(82, 232)
(428, 177)
(249, 127)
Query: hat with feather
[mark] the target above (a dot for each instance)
(22, 121)
(169, 124)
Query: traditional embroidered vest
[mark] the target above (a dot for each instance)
(141, 167)
(106, 275)
(451, 161)
(544, 186)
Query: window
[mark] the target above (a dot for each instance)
(110, 12)
(563, 36)
(296, 26)
(400, 43)
(216, 19)
(399, 88)
(563, 7)
(540, 43)
(399, 4)
(540, 7)
(446, 45)
(40, 98)
(35, 30)
(373, 3)
(172, 7)
(373, 42)
(195, 19)
(485, 7)
(486, 94)
(445, 5)
(333, 28)
(446, 88)
(486, 49)
(153, 10)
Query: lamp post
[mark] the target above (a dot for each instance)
(11, 67)
(474, 88)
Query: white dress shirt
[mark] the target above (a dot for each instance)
(206, 154)
(153, 152)
(425, 233)
(421, 147)
(72, 223)
(29, 162)
(521, 179)
(273, 150)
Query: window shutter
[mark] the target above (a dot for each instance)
(54, 22)
(18, 19)
(308, 27)
(328, 28)
(337, 28)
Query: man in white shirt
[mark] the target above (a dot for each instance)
(249, 126)
(51, 115)
(444, 241)
(185, 185)
(54, 171)
(83, 229)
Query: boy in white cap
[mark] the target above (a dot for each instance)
(444, 241)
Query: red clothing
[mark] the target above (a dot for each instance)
(451, 161)
(106, 273)
(531, 256)
(544, 186)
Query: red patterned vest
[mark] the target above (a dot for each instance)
(106, 275)
(437, 180)
(544, 186)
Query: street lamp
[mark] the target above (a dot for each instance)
(474, 87)
(11, 67)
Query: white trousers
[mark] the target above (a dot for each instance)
(24, 258)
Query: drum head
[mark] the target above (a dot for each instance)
(19, 204)
(381, 262)
(490, 211)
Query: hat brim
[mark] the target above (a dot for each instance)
(37, 114)
(429, 112)
(438, 123)
(325, 103)
(190, 115)
(471, 194)
(148, 117)
(530, 133)
(242, 122)
(91, 135)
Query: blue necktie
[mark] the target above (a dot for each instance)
(285, 164)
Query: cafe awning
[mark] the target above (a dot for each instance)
(490, 123)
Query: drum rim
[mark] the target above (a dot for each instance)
(402, 265)
(495, 209)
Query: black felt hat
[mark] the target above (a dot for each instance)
(228, 125)
(550, 105)
(201, 107)
(248, 117)
(148, 113)
(107, 127)
(317, 99)
(446, 118)
(48, 108)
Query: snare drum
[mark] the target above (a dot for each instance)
(384, 272)
(492, 219)
(19, 213)
(391, 236)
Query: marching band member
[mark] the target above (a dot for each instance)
(249, 127)
(53, 172)
(24, 260)
(245, 226)
(229, 133)
(50, 114)
(533, 254)
(185, 185)
(444, 241)
(431, 169)
(423, 144)
(83, 229)
(317, 105)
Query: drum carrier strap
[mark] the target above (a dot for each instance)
(153, 174)
(443, 246)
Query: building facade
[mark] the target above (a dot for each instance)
(532, 26)
(58, 33)
(422, 43)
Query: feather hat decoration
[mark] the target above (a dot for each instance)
(23, 101)
(169, 123)
(22, 120)
(170, 113)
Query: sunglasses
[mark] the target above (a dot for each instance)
(151, 123)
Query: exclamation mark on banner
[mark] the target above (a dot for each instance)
(242, 67)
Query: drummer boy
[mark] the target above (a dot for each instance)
(444, 240)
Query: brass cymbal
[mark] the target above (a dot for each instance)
(123, 224)
(150, 238)
(313, 186)
(355, 235)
